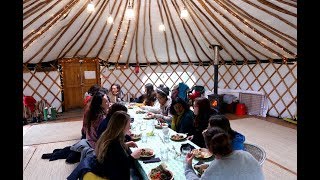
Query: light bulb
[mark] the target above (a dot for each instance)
(129, 13)
(90, 7)
(184, 13)
(110, 19)
(162, 27)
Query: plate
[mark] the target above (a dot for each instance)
(155, 173)
(202, 153)
(146, 153)
(160, 125)
(140, 112)
(148, 117)
(135, 136)
(139, 104)
(178, 137)
(200, 168)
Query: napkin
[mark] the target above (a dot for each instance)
(152, 160)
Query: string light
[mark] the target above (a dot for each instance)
(184, 13)
(90, 7)
(110, 18)
(129, 12)
(162, 27)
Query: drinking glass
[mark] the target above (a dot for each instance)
(185, 150)
(165, 131)
(164, 153)
(144, 137)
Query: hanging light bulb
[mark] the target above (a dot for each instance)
(162, 27)
(110, 19)
(90, 7)
(129, 12)
(184, 13)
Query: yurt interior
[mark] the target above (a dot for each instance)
(239, 56)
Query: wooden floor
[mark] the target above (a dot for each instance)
(77, 114)
(268, 118)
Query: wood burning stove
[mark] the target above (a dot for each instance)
(216, 102)
(215, 99)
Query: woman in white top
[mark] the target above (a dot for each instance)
(228, 164)
(160, 110)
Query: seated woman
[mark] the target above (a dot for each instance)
(114, 158)
(115, 94)
(182, 120)
(161, 108)
(149, 98)
(104, 124)
(96, 111)
(222, 122)
(228, 163)
(202, 111)
(91, 91)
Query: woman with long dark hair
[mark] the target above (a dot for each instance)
(202, 111)
(113, 108)
(149, 97)
(182, 116)
(222, 122)
(94, 114)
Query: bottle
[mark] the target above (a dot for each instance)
(45, 113)
(53, 113)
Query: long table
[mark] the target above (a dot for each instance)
(155, 142)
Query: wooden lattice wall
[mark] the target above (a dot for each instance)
(277, 81)
(43, 85)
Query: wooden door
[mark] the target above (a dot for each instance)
(78, 75)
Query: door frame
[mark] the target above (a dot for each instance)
(62, 63)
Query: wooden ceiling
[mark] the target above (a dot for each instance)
(248, 30)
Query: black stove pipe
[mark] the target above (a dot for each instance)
(215, 65)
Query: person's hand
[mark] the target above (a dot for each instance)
(189, 158)
(136, 154)
(150, 114)
(190, 137)
(161, 120)
(131, 144)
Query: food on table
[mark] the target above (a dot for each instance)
(150, 133)
(148, 117)
(139, 104)
(135, 136)
(160, 125)
(200, 168)
(146, 152)
(201, 153)
(140, 112)
(160, 173)
(177, 137)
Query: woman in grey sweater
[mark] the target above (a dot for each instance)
(228, 164)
